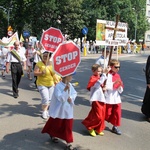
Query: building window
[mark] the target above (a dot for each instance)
(148, 37)
(148, 2)
(149, 13)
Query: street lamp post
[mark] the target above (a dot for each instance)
(6, 11)
(135, 25)
(136, 16)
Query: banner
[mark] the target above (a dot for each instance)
(9, 42)
(105, 30)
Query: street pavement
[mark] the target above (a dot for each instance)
(21, 122)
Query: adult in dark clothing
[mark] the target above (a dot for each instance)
(15, 57)
(146, 101)
(26, 43)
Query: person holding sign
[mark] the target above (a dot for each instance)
(95, 121)
(114, 86)
(60, 123)
(45, 81)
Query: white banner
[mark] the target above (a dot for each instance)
(105, 31)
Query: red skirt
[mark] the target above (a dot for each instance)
(60, 128)
(96, 117)
(113, 114)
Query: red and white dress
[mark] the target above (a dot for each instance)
(113, 99)
(96, 117)
(60, 123)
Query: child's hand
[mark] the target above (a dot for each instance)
(67, 87)
(43, 72)
(106, 70)
(104, 88)
(69, 100)
(117, 84)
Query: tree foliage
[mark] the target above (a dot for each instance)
(70, 16)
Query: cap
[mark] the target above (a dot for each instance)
(74, 73)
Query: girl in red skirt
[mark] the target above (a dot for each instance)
(60, 123)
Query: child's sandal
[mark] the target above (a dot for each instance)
(54, 139)
(70, 147)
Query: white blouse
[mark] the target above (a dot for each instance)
(96, 92)
(59, 106)
(112, 95)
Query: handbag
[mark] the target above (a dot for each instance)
(31, 59)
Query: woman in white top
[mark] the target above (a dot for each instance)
(30, 52)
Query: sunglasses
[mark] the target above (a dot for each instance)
(45, 55)
(116, 67)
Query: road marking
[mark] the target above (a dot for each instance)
(133, 98)
(135, 95)
(137, 79)
(140, 62)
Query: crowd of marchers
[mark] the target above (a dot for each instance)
(58, 94)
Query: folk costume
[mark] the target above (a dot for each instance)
(60, 123)
(113, 99)
(96, 117)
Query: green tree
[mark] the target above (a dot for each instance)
(70, 16)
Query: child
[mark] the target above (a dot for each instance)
(3, 56)
(60, 123)
(95, 121)
(114, 86)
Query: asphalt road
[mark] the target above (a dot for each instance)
(21, 124)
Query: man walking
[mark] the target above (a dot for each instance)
(16, 57)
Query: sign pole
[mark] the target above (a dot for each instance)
(114, 35)
(84, 31)
(84, 50)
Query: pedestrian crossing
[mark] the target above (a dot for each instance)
(131, 97)
(139, 79)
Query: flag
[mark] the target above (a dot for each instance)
(21, 38)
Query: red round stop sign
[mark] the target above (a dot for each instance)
(66, 58)
(51, 38)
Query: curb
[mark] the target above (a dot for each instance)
(114, 54)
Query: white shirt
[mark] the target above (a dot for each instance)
(30, 52)
(112, 96)
(3, 55)
(23, 49)
(11, 58)
(36, 56)
(102, 62)
(97, 93)
(59, 106)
